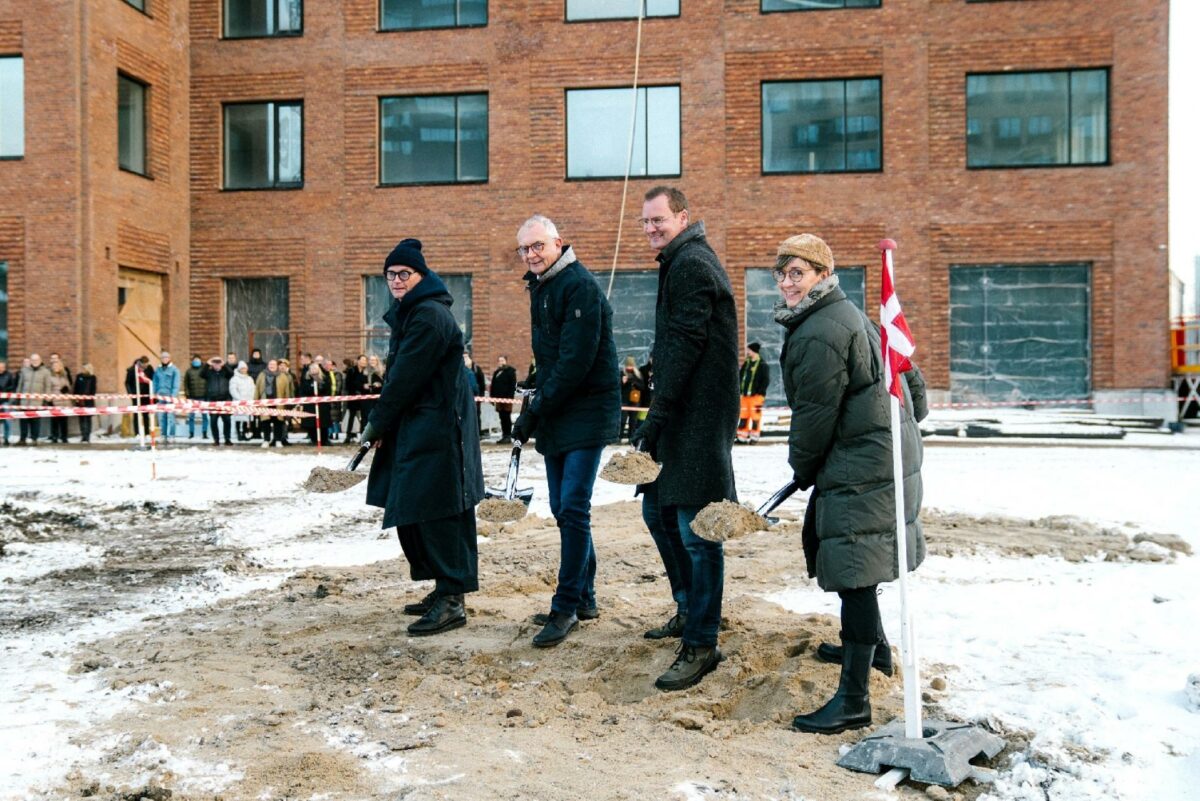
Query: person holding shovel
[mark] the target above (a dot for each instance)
(427, 474)
(839, 444)
(575, 409)
(690, 426)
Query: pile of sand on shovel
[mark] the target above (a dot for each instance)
(322, 479)
(500, 510)
(718, 522)
(633, 467)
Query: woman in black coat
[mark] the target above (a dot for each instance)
(426, 473)
(314, 384)
(85, 384)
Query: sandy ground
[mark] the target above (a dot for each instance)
(314, 690)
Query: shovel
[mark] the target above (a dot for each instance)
(322, 479)
(772, 503)
(510, 503)
(719, 521)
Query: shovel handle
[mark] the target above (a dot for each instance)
(359, 455)
(784, 492)
(510, 485)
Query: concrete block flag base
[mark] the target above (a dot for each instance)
(936, 752)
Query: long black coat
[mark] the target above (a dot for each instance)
(695, 372)
(504, 382)
(427, 465)
(578, 399)
(840, 442)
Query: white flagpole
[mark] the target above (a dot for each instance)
(908, 647)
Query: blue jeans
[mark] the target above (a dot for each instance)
(571, 476)
(664, 530)
(192, 424)
(708, 580)
(166, 424)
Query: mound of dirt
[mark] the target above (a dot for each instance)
(500, 510)
(633, 467)
(322, 479)
(718, 522)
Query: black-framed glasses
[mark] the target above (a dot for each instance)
(796, 275)
(393, 276)
(535, 247)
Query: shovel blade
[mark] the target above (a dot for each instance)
(523, 495)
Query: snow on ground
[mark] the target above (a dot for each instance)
(1091, 656)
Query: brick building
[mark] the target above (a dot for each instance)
(1016, 150)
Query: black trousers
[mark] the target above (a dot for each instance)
(223, 419)
(85, 429)
(58, 429)
(860, 606)
(30, 428)
(505, 412)
(444, 550)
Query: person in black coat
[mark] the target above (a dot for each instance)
(315, 384)
(504, 385)
(85, 384)
(427, 472)
(691, 423)
(575, 409)
(140, 389)
(216, 388)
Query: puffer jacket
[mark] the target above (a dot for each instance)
(34, 380)
(840, 439)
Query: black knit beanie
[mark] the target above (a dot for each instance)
(407, 254)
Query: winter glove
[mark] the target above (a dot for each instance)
(524, 427)
(369, 434)
(648, 433)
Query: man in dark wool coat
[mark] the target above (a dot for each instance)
(690, 426)
(427, 474)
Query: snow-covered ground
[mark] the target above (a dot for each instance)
(1090, 656)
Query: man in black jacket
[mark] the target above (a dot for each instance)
(504, 385)
(427, 474)
(216, 388)
(691, 423)
(574, 409)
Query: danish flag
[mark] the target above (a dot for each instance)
(894, 335)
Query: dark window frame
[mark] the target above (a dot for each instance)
(648, 176)
(762, 141)
(23, 109)
(1108, 162)
(278, 35)
(276, 187)
(146, 100)
(145, 9)
(567, 17)
(843, 7)
(487, 18)
(381, 184)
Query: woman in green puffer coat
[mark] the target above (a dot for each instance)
(840, 445)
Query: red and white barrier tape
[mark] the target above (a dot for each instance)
(92, 411)
(62, 396)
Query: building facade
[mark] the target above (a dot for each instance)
(1016, 150)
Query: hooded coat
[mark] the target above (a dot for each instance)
(840, 440)
(428, 463)
(695, 380)
(578, 398)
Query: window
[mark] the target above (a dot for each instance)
(377, 298)
(1037, 119)
(258, 307)
(140, 5)
(438, 139)
(131, 124)
(581, 10)
(598, 132)
(264, 145)
(409, 15)
(3, 310)
(634, 295)
(252, 18)
(12, 107)
(815, 5)
(822, 126)
(1020, 332)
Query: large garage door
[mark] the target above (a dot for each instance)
(761, 294)
(1020, 332)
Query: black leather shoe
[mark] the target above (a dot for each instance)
(672, 628)
(583, 613)
(446, 613)
(556, 630)
(422, 606)
(850, 706)
(691, 664)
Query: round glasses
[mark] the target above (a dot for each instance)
(393, 276)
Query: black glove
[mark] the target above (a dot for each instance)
(525, 425)
(369, 434)
(648, 433)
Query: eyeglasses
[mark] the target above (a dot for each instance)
(657, 222)
(536, 248)
(796, 275)
(397, 275)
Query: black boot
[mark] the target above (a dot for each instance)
(672, 628)
(692, 663)
(556, 630)
(582, 612)
(828, 652)
(446, 613)
(422, 606)
(850, 707)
